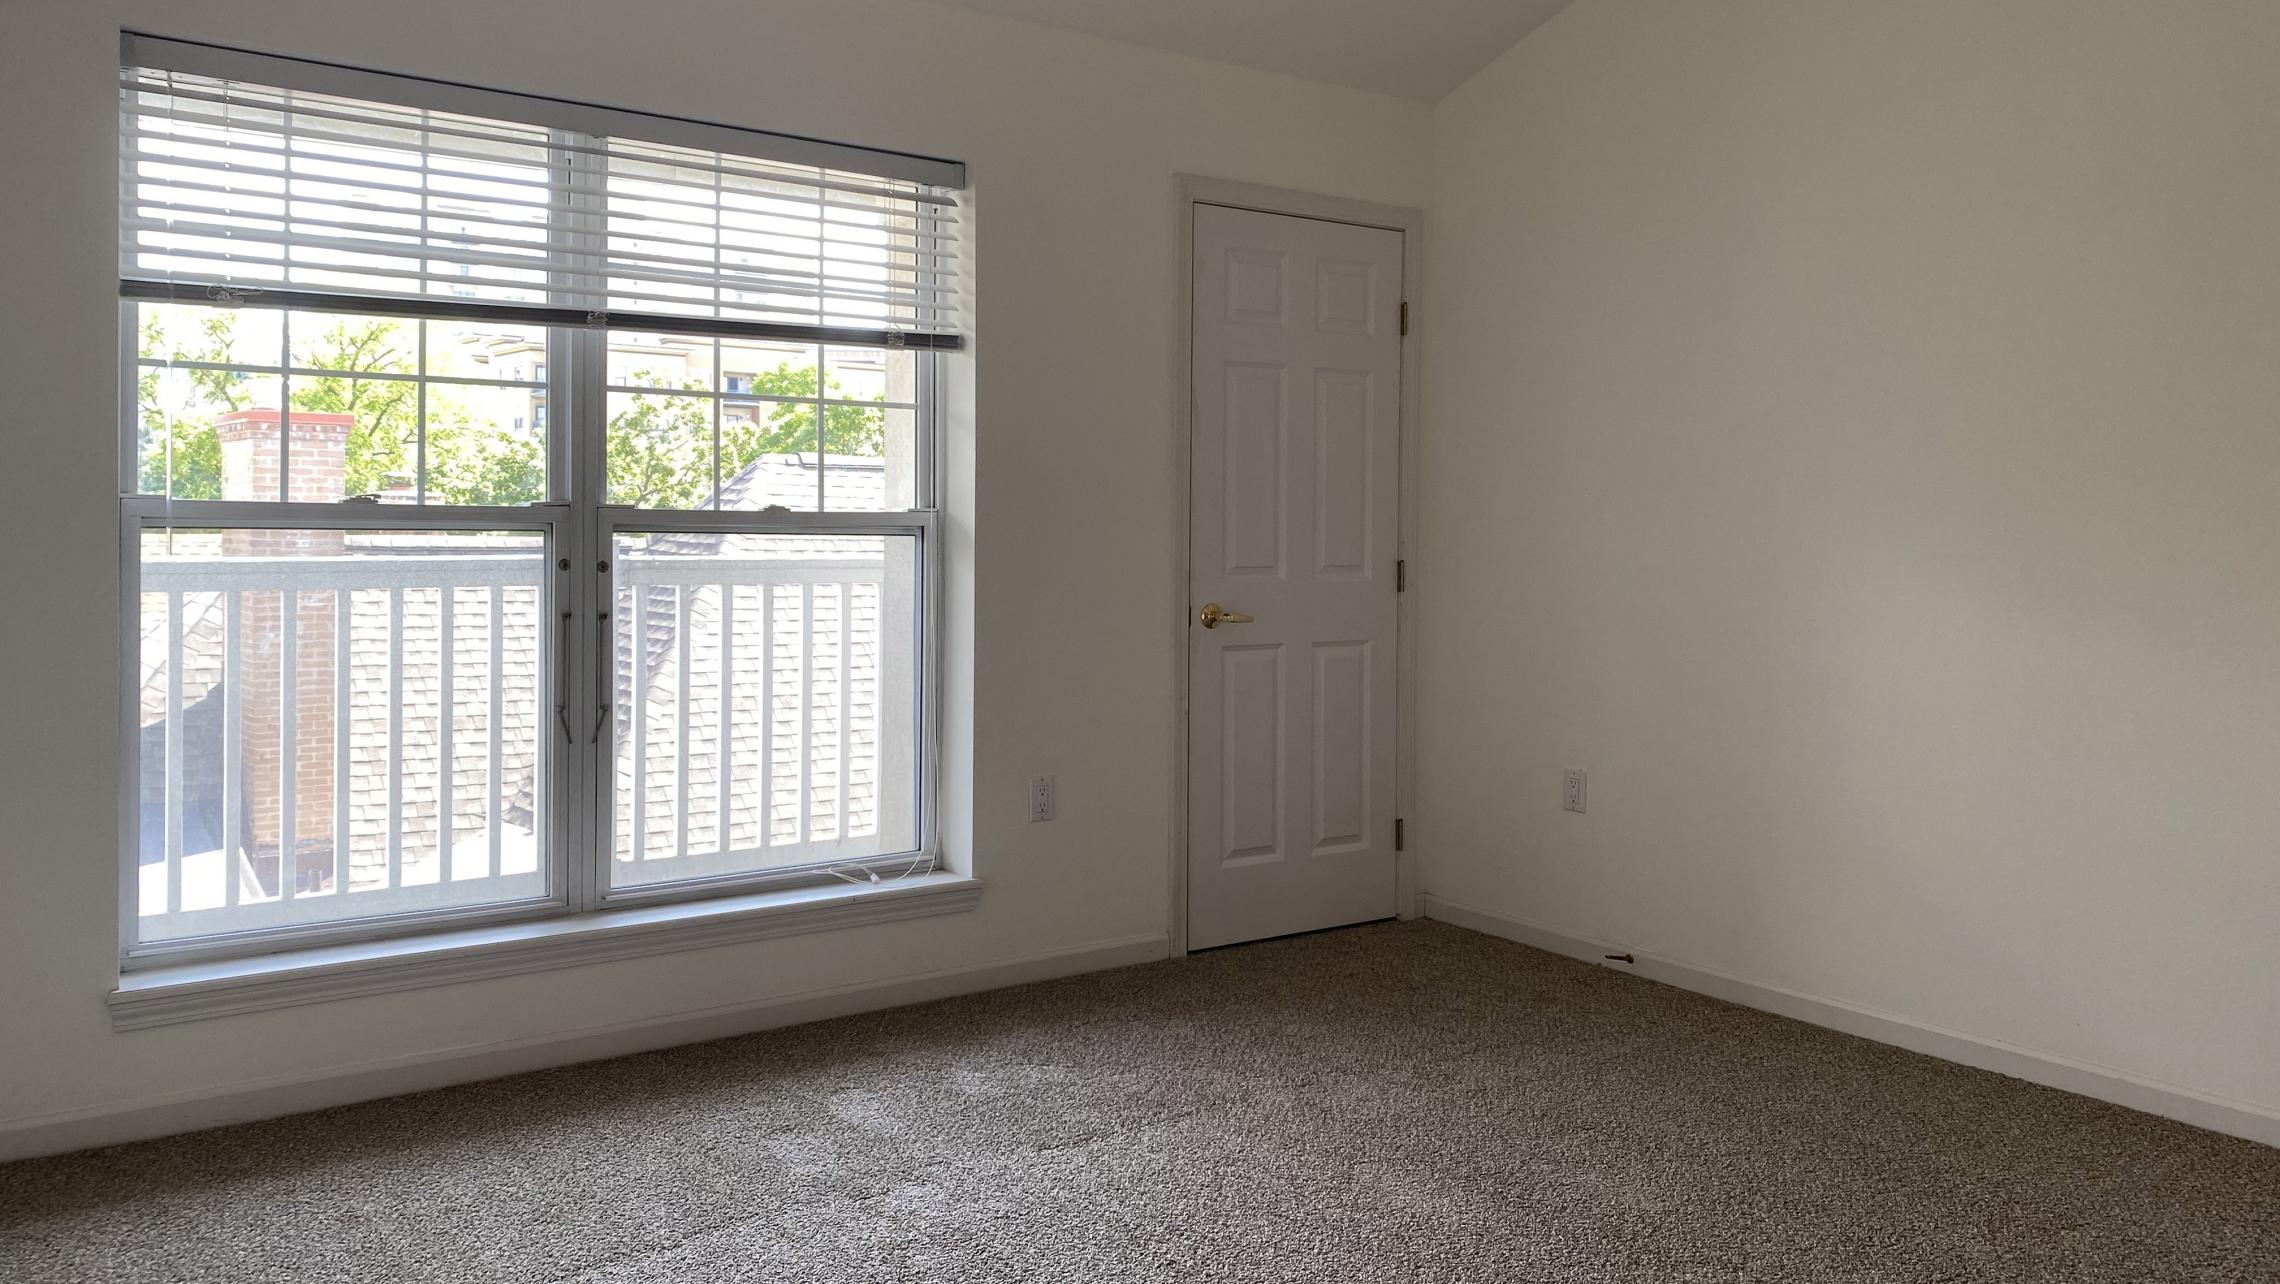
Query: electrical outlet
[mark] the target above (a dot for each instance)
(1040, 798)
(1571, 789)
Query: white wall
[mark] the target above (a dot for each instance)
(1067, 477)
(1854, 436)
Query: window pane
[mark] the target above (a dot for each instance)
(768, 456)
(766, 706)
(189, 332)
(800, 428)
(357, 345)
(360, 390)
(670, 361)
(660, 450)
(870, 429)
(872, 374)
(756, 367)
(891, 480)
(486, 350)
(353, 437)
(485, 444)
(183, 418)
(338, 724)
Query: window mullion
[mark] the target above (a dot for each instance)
(579, 278)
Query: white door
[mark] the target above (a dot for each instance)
(1295, 476)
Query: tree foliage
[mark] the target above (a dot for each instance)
(383, 437)
(659, 451)
(790, 429)
(660, 445)
(184, 445)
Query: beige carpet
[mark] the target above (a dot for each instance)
(1397, 1102)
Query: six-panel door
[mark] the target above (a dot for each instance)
(1295, 474)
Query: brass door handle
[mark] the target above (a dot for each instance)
(1212, 616)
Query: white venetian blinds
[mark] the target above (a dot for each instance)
(250, 177)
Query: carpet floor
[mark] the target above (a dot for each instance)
(1387, 1103)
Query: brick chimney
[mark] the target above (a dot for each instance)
(318, 457)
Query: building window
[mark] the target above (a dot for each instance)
(403, 664)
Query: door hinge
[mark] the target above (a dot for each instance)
(1405, 316)
(1398, 826)
(1401, 576)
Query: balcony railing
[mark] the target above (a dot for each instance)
(789, 662)
(309, 723)
(338, 737)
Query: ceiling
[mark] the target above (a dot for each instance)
(1411, 48)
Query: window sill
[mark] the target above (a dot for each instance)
(199, 991)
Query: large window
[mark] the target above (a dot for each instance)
(529, 507)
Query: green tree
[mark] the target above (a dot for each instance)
(217, 332)
(186, 452)
(790, 429)
(471, 465)
(382, 440)
(659, 450)
(179, 448)
(660, 445)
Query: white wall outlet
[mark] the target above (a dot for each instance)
(1571, 789)
(1040, 798)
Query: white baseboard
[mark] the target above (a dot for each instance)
(166, 1114)
(2204, 1110)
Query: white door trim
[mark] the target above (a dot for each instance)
(1192, 190)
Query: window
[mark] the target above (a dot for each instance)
(414, 652)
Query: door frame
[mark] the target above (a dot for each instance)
(1191, 190)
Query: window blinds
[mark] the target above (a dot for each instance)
(259, 179)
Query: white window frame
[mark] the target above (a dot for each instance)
(598, 523)
(577, 770)
(142, 513)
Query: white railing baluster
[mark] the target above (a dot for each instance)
(640, 723)
(233, 748)
(173, 799)
(496, 777)
(445, 703)
(846, 704)
(344, 606)
(767, 715)
(288, 735)
(395, 736)
(807, 706)
(681, 600)
(725, 775)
